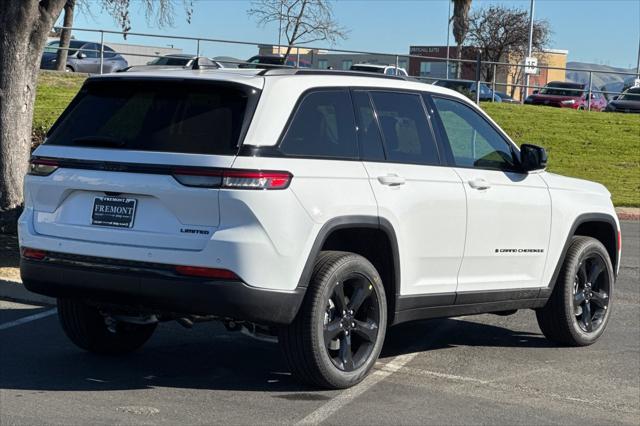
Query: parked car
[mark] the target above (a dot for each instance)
(506, 98)
(310, 205)
(83, 56)
(380, 69)
(628, 101)
(564, 94)
(468, 88)
(177, 61)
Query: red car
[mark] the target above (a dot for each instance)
(563, 94)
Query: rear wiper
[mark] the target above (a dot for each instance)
(99, 141)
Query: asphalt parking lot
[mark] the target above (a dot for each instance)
(484, 369)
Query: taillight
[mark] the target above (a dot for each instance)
(42, 166)
(233, 179)
(240, 179)
(199, 177)
(215, 273)
(33, 254)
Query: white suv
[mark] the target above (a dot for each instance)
(318, 206)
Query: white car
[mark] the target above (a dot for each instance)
(380, 69)
(318, 206)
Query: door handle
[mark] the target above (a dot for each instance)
(391, 180)
(479, 183)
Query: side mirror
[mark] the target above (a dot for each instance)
(81, 55)
(532, 157)
(535, 92)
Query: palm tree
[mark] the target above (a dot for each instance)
(460, 20)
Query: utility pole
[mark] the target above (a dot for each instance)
(529, 50)
(279, 28)
(638, 65)
(449, 35)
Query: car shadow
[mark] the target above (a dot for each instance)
(38, 357)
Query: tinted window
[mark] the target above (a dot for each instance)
(473, 141)
(323, 126)
(368, 131)
(90, 49)
(407, 134)
(154, 116)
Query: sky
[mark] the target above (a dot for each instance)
(594, 31)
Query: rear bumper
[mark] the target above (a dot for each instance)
(158, 290)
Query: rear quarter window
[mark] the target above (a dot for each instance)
(323, 126)
(166, 116)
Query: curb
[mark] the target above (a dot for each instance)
(15, 291)
(628, 213)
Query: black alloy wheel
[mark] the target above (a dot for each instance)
(591, 293)
(579, 307)
(351, 322)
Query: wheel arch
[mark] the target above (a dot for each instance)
(603, 227)
(369, 236)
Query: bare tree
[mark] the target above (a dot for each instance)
(460, 20)
(302, 21)
(25, 25)
(502, 33)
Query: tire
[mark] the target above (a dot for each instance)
(579, 307)
(68, 69)
(358, 330)
(85, 326)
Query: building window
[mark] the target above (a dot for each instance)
(323, 64)
(346, 64)
(425, 69)
(402, 63)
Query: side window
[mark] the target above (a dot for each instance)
(368, 132)
(473, 141)
(406, 130)
(90, 49)
(390, 71)
(323, 126)
(108, 52)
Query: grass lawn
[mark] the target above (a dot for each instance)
(598, 146)
(55, 91)
(603, 147)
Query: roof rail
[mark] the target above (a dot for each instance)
(298, 71)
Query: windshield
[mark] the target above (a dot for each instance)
(74, 45)
(631, 95)
(155, 115)
(562, 90)
(171, 61)
(367, 68)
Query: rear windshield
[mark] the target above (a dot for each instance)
(168, 116)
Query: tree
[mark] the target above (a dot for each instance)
(65, 35)
(25, 25)
(460, 21)
(502, 34)
(302, 21)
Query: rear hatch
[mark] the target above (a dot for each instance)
(138, 161)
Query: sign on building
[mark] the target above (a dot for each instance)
(530, 65)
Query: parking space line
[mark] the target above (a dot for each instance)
(349, 395)
(387, 369)
(27, 319)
